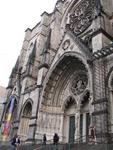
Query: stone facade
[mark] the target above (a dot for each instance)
(63, 79)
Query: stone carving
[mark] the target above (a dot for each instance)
(81, 16)
(88, 41)
(48, 121)
(66, 44)
(79, 84)
(69, 102)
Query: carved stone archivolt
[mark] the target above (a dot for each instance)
(79, 84)
(111, 82)
(81, 16)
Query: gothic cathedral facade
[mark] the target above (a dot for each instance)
(62, 81)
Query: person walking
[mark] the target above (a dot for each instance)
(55, 139)
(15, 142)
(44, 139)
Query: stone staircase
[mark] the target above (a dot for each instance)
(81, 146)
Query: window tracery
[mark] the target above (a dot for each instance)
(81, 16)
(79, 84)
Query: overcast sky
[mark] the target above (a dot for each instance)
(15, 17)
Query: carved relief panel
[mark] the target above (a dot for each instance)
(66, 44)
(47, 121)
(79, 83)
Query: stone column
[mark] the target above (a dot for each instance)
(61, 127)
(84, 127)
(91, 108)
(77, 125)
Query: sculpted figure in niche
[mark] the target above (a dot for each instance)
(68, 18)
(79, 84)
(66, 44)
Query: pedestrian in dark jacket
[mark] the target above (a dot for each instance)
(44, 139)
(55, 139)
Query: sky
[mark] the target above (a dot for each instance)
(15, 17)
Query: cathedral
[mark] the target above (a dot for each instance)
(62, 81)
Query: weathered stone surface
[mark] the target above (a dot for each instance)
(68, 76)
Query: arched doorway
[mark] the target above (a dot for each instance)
(70, 107)
(76, 119)
(67, 84)
(25, 120)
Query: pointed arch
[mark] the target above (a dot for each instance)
(69, 102)
(25, 116)
(27, 107)
(60, 75)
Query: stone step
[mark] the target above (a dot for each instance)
(61, 147)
